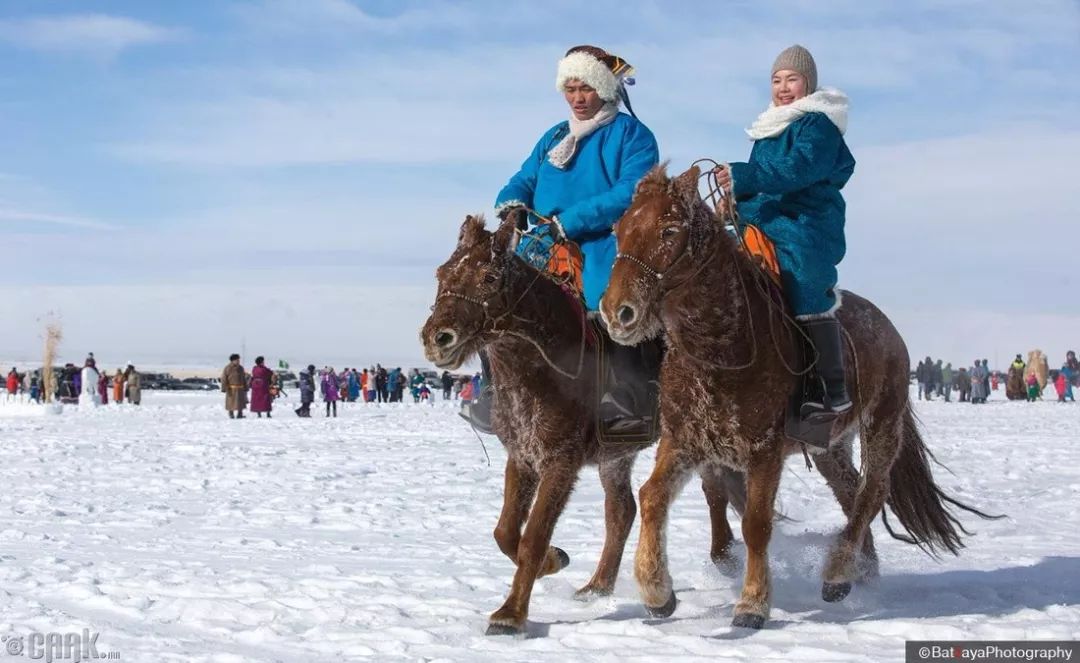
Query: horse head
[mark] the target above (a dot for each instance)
(473, 292)
(662, 238)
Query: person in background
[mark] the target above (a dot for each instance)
(1069, 375)
(402, 382)
(1034, 393)
(261, 378)
(103, 388)
(1059, 385)
(1074, 368)
(466, 392)
(415, 382)
(391, 385)
(947, 381)
(35, 387)
(118, 387)
(1014, 384)
(978, 385)
(234, 386)
(307, 391)
(354, 385)
(447, 385)
(133, 380)
(364, 377)
(12, 383)
(331, 390)
(373, 390)
(986, 377)
(963, 384)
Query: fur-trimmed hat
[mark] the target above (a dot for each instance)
(797, 58)
(594, 66)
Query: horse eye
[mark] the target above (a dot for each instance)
(669, 232)
(489, 278)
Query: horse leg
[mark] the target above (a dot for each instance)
(519, 488)
(716, 496)
(650, 563)
(843, 478)
(880, 443)
(619, 512)
(534, 555)
(762, 481)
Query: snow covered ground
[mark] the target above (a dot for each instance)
(180, 535)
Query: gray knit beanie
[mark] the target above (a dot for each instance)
(797, 58)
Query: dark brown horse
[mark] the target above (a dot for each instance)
(680, 273)
(543, 360)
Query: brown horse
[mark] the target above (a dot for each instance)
(680, 273)
(543, 360)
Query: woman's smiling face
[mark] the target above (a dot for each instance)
(787, 86)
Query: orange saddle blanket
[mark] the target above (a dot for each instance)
(763, 250)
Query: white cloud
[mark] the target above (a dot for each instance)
(53, 219)
(94, 34)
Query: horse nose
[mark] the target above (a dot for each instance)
(445, 338)
(626, 314)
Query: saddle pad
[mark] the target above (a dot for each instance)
(763, 250)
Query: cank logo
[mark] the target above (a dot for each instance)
(51, 647)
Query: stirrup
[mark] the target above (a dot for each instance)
(814, 412)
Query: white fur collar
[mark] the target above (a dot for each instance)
(830, 101)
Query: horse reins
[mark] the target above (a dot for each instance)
(494, 320)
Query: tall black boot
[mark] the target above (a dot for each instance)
(825, 334)
(628, 402)
(478, 413)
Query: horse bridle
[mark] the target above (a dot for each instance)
(658, 274)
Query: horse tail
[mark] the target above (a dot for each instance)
(921, 506)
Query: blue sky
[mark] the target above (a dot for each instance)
(294, 169)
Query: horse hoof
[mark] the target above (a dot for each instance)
(728, 565)
(664, 611)
(589, 593)
(502, 629)
(748, 620)
(835, 591)
(564, 559)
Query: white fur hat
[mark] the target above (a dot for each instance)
(595, 67)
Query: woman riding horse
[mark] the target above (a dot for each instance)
(790, 189)
(580, 177)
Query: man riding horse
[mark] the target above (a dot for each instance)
(575, 184)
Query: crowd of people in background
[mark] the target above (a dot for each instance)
(375, 384)
(253, 392)
(85, 384)
(1024, 380)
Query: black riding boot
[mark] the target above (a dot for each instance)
(627, 405)
(825, 334)
(478, 413)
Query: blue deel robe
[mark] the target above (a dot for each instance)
(590, 194)
(790, 188)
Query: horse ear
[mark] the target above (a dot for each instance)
(506, 237)
(470, 230)
(686, 186)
